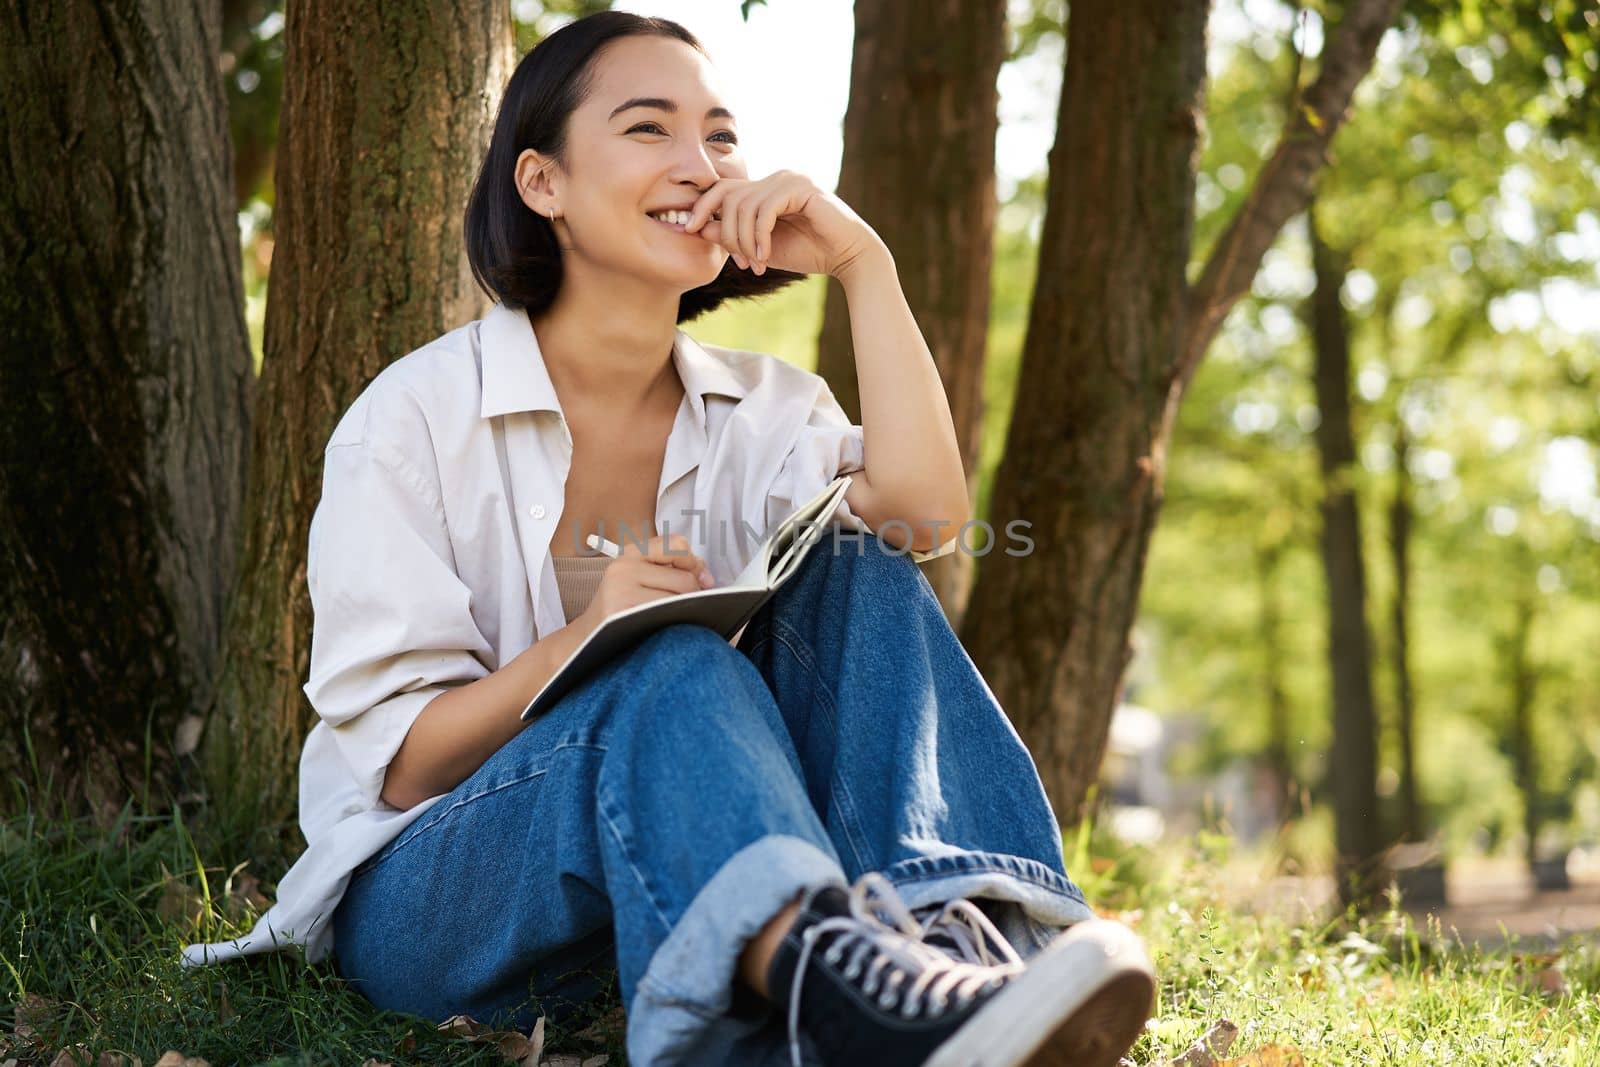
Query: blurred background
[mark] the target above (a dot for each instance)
(1464, 199)
(1335, 592)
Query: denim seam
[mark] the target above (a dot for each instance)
(441, 815)
(994, 868)
(789, 638)
(627, 856)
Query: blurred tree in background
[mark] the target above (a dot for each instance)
(1458, 210)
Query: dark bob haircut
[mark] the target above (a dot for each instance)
(513, 249)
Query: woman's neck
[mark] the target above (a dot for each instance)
(603, 348)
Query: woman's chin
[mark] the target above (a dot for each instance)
(705, 275)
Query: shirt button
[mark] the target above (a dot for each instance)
(537, 511)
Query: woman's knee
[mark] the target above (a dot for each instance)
(686, 667)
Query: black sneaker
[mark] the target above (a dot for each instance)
(871, 991)
(963, 931)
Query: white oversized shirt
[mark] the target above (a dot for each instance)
(429, 554)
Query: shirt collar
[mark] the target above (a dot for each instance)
(515, 377)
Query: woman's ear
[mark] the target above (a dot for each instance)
(532, 177)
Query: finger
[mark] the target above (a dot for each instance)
(712, 231)
(709, 204)
(668, 579)
(734, 224)
(668, 545)
(766, 219)
(675, 552)
(747, 227)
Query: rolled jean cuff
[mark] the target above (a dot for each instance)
(1044, 899)
(687, 987)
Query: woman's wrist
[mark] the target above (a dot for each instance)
(873, 259)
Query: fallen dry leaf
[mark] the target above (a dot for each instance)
(1268, 1056)
(118, 1059)
(1213, 1044)
(174, 1058)
(596, 1061)
(561, 1061)
(521, 1049)
(1548, 981)
(373, 1061)
(244, 893)
(180, 903)
(406, 1043)
(605, 1029)
(29, 1013)
(76, 1056)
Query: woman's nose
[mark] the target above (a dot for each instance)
(699, 168)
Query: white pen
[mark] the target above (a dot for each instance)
(601, 544)
(614, 550)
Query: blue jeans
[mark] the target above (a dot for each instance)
(661, 813)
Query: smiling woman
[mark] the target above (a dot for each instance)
(516, 247)
(805, 809)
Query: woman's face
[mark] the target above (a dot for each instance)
(624, 162)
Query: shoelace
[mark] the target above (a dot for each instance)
(898, 941)
(964, 923)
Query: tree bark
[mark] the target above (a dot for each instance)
(1354, 760)
(1048, 627)
(918, 163)
(125, 385)
(1114, 336)
(387, 110)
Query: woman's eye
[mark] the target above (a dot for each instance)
(652, 127)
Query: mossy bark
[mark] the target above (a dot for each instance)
(387, 111)
(125, 383)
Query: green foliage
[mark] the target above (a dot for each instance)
(1461, 209)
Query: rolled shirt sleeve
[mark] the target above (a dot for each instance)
(393, 626)
(825, 447)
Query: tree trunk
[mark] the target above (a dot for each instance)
(1400, 526)
(387, 110)
(1279, 759)
(1354, 762)
(125, 388)
(1114, 336)
(1523, 760)
(1048, 627)
(919, 165)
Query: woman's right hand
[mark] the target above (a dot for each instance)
(665, 568)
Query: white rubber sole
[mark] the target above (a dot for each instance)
(1082, 1002)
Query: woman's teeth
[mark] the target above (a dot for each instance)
(674, 218)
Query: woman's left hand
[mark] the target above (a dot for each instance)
(783, 220)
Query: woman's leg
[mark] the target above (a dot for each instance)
(655, 813)
(908, 759)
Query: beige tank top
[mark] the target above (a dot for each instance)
(578, 579)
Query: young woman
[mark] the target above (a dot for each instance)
(823, 840)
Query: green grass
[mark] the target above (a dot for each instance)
(91, 922)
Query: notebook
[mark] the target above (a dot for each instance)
(724, 609)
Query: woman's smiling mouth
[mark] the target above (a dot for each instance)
(675, 220)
